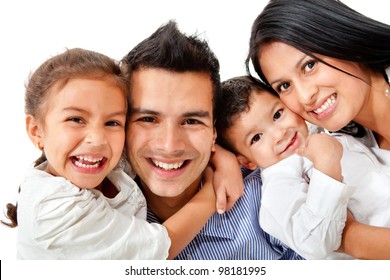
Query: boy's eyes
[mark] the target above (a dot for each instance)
(256, 138)
(278, 114)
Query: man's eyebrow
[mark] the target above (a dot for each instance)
(144, 111)
(190, 114)
(199, 114)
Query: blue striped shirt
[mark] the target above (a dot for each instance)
(236, 234)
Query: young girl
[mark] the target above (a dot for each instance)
(75, 203)
(328, 64)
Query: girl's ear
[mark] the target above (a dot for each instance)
(246, 163)
(34, 131)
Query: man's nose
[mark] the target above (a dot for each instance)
(170, 139)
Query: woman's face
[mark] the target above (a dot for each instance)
(321, 94)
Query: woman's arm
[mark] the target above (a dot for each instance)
(185, 224)
(365, 242)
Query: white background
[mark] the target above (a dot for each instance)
(33, 31)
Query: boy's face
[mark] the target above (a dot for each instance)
(268, 133)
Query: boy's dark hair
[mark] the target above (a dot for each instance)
(234, 99)
(169, 49)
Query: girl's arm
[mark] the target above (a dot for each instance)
(185, 224)
(365, 242)
(228, 182)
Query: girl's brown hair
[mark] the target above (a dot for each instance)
(54, 73)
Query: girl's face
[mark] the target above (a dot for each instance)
(267, 132)
(83, 131)
(319, 93)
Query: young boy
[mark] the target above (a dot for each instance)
(308, 180)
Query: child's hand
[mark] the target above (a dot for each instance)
(208, 187)
(228, 182)
(325, 152)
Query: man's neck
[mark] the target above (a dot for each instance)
(165, 207)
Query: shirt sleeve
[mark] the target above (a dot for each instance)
(308, 216)
(60, 221)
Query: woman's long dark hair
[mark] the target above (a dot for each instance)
(326, 27)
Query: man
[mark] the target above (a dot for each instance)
(170, 138)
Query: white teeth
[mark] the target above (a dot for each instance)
(329, 102)
(83, 165)
(89, 158)
(167, 166)
(88, 161)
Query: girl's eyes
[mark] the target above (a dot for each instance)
(113, 123)
(76, 120)
(81, 121)
(256, 138)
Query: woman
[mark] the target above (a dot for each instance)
(328, 63)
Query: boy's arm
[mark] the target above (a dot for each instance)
(365, 242)
(325, 152)
(228, 182)
(307, 216)
(185, 224)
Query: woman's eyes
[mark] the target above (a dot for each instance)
(282, 87)
(308, 66)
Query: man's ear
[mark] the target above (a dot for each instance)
(246, 163)
(214, 139)
(34, 131)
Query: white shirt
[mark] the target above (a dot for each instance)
(309, 214)
(303, 207)
(57, 220)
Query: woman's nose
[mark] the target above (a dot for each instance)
(307, 93)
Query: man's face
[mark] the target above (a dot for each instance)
(170, 135)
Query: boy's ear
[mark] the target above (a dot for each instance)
(246, 163)
(34, 131)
